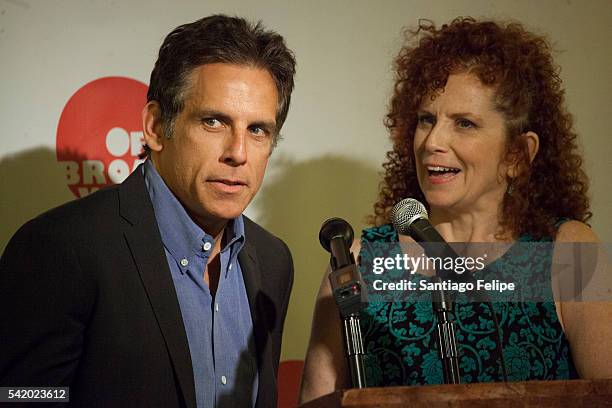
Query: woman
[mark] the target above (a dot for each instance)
(480, 134)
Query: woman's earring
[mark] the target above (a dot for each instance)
(510, 189)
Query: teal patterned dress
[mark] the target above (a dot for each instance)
(400, 344)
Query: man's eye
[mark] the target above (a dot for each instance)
(211, 122)
(465, 124)
(258, 131)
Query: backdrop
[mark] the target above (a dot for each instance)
(74, 74)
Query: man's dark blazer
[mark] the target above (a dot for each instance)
(87, 300)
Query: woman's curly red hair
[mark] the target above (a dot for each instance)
(528, 93)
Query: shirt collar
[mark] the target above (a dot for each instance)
(235, 235)
(181, 236)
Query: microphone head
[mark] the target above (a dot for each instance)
(335, 227)
(405, 212)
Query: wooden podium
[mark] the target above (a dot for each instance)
(572, 393)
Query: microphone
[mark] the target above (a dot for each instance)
(409, 217)
(336, 236)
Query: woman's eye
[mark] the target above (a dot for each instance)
(426, 119)
(465, 124)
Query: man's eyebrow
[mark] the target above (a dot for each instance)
(211, 113)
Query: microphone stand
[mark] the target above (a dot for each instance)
(354, 349)
(351, 299)
(447, 342)
(442, 305)
(336, 236)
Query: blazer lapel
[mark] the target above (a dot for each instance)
(250, 273)
(252, 276)
(144, 241)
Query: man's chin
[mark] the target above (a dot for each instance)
(211, 219)
(227, 213)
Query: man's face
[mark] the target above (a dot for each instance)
(215, 161)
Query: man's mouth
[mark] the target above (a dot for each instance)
(230, 182)
(228, 185)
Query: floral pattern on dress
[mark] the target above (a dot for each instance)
(399, 337)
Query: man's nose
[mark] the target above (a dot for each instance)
(235, 152)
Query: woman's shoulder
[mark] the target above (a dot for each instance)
(566, 230)
(575, 231)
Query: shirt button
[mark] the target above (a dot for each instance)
(216, 306)
(184, 262)
(206, 246)
(223, 380)
(229, 267)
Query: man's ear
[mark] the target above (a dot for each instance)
(152, 126)
(532, 142)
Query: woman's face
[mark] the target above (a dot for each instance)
(459, 145)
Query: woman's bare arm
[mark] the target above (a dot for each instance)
(325, 368)
(588, 323)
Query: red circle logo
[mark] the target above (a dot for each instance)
(99, 135)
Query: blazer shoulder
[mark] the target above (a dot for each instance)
(97, 209)
(71, 220)
(260, 235)
(81, 209)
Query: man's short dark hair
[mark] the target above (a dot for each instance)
(218, 39)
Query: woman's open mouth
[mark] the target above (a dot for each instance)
(441, 174)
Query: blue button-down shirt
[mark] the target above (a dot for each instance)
(220, 328)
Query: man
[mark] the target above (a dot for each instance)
(159, 292)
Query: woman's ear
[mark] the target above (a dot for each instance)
(532, 143)
(152, 128)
